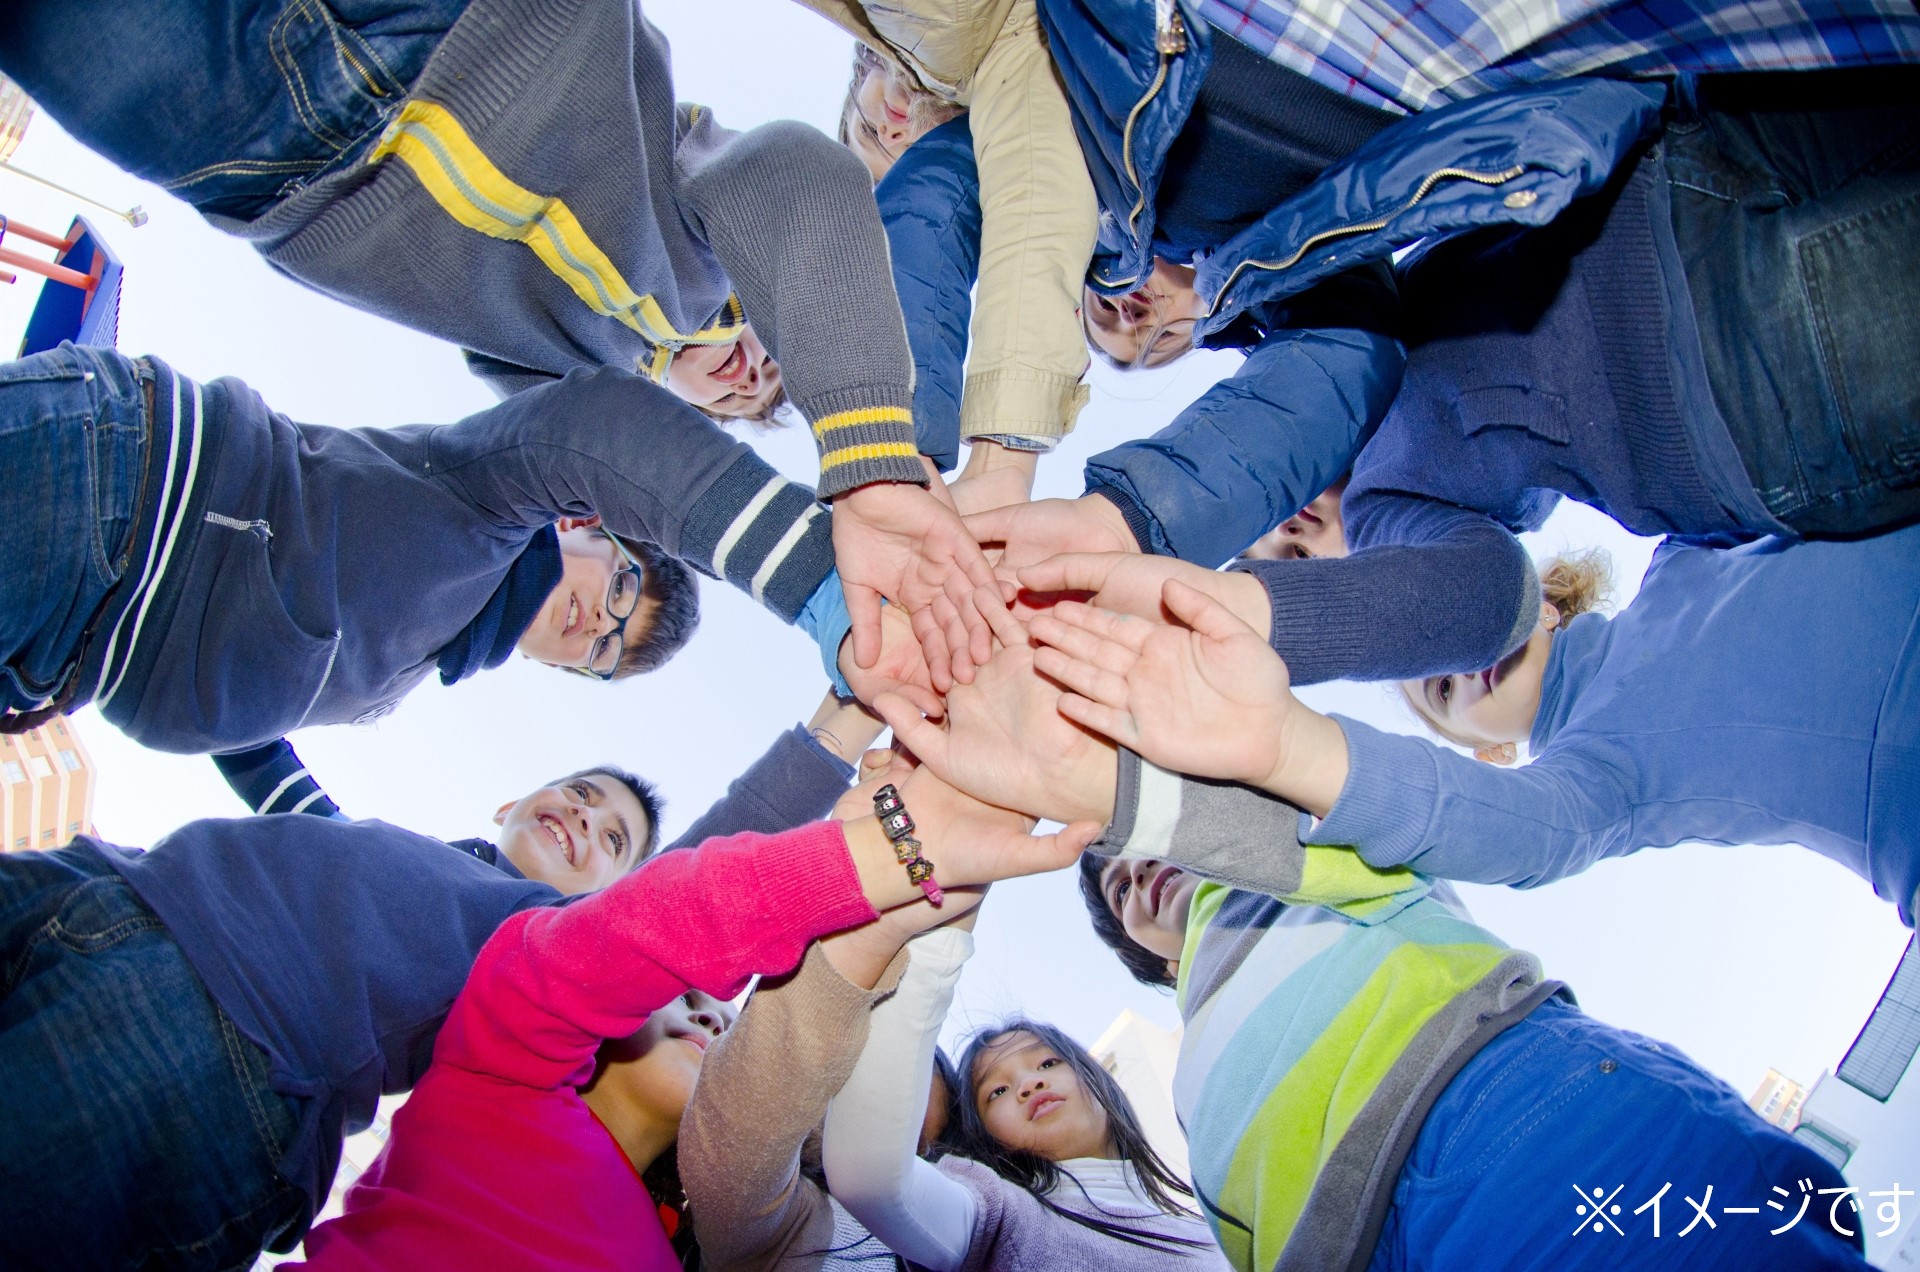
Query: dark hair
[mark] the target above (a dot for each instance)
(662, 1180)
(949, 1083)
(676, 614)
(649, 796)
(1146, 967)
(766, 419)
(1040, 1175)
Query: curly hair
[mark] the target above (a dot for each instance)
(1578, 583)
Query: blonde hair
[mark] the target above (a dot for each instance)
(1574, 583)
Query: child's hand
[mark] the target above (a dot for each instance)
(1034, 531)
(1131, 583)
(909, 545)
(1209, 698)
(972, 842)
(901, 668)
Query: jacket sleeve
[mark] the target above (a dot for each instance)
(1410, 803)
(790, 214)
(1038, 226)
(930, 203)
(874, 1124)
(795, 782)
(556, 981)
(1257, 447)
(763, 1088)
(272, 779)
(611, 442)
(1246, 839)
(1428, 588)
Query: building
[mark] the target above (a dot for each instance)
(1142, 1056)
(1865, 1118)
(46, 797)
(1778, 1100)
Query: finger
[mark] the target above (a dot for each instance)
(1084, 646)
(863, 607)
(1006, 629)
(969, 632)
(1122, 629)
(993, 525)
(1042, 853)
(879, 758)
(947, 613)
(1083, 677)
(1201, 612)
(924, 699)
(1101, 718)
(933, 647)
(971, 563)
(927, 741)
(1070, 572)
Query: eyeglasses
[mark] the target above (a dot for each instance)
(623, 597)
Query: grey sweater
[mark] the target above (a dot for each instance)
(541, 200)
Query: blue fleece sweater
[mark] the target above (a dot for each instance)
(338, 946)
(1763, 694)
(316, 573)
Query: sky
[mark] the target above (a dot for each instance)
(1747, 958)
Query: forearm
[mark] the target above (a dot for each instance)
(1039, 221)
(763, 1088)
(653, 468)
(844, 728)
(873, 1126)
(792, 218)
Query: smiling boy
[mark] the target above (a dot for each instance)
(213, 575)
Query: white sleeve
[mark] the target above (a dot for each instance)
(873, 1125)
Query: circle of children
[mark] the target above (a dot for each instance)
(1479, 258)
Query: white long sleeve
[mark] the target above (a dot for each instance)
(873, 1125)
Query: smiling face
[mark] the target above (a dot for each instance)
(1491, 710)
(1316, 531)
(736, 379)
(1151, 899)
(575, 614)
(576, 836)
(1030, 1098)
(1149, 326)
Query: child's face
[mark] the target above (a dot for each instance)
(1030, 1098)
(885, 121)
(657, 1067)
(736, 379)
(1492, 710)
(576, 612)
(1149, 326)
(577, 836)
(1317, 530)
(1151, 899)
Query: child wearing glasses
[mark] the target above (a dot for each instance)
(213, 575)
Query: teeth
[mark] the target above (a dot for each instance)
(573, 610)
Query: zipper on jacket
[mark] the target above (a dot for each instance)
(235, 523)
(1170, 40)
(1367, 227)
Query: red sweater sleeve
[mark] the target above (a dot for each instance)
(553, 983)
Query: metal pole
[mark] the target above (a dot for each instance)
(132, 216)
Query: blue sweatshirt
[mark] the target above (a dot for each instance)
(1764, 694)
(300, 575)
(338, 946)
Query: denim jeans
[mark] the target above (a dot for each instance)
(229, 104)
(74, 438)
(1796, 208)
(137, 1127)
(1561, 1104)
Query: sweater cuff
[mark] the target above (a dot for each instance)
(1387, 805)
(1134, 515)
(766, 535)
(865, 436)
(1022, 402)
(810, 875)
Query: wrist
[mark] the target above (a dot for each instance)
(1111, 520)
(1247, 598)
(882, 879)
(1311, 764)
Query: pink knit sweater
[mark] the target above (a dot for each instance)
(496, 1162)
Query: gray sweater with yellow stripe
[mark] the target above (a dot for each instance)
(542, 200)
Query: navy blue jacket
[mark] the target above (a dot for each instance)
(321, 571)
(337, 947)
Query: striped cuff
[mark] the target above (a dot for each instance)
(863, 440)
(766, 535)
(271, 779)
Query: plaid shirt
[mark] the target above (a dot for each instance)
(1407, 55)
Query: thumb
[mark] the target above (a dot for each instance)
(1070, 572)
(1059, 850)
(1201, 612)
(863, 608)
(927, 741)
(993, 525)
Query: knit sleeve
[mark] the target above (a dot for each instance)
(1427, 588)
(791, 216)
(653, 468)
(874, 1124)
(763, 1088)
(1410, 803)
(1246, 839)
(795, 782)
(272, 779)
(554, 982)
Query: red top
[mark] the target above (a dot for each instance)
(495, 1161)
